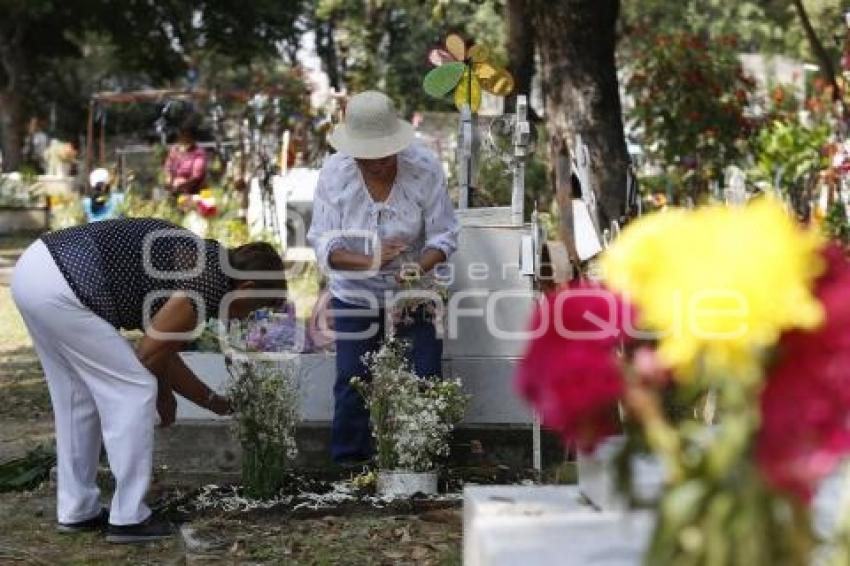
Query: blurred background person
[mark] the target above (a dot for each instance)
(186, 165)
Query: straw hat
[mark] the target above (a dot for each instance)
(371, 129)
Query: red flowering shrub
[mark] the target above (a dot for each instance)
(805, 405)
(570, 372)
(689, 98)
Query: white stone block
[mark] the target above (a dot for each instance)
(489, 382)
(529, 525)
(597, 476)
(210, 368)
(315, 374)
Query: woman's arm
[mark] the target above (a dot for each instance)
(327, 236)
(161, 356)
(345, 260)
(167, 167)
(430, 258)
(441, 225)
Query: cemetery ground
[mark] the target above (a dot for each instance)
(342, 534)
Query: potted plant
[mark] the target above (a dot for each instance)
(264, 397)
(412, 418)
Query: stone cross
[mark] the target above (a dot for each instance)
(522, 137)
(466, 155)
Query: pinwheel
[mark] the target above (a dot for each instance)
(465, 72)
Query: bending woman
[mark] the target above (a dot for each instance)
(381, 206)
(75, 289)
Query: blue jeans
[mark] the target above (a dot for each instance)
(351, 437)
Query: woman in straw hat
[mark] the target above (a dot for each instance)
(381, 209)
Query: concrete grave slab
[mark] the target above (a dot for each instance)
(528, 525)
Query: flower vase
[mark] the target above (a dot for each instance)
(262, 470)
(597, 476)
(403, 483)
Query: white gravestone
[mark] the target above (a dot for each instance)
(530, 525)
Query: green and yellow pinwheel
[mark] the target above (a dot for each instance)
(465, 72)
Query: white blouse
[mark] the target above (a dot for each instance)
(418, 212)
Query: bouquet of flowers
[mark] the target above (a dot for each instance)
(411, 416)
(740, 305)
(274, 331)
(418, 290)
(264, 397)
(266, 330)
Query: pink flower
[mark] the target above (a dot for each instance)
(805, 405)
(570, 372)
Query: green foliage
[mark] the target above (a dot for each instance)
(728, 518)
(690, 94)
(225, 226)
(173, 33)
(770, 26)
(66, 211)
(134, 206)
(61, 52)
(28, 471)
(716, 507)
(495, 180)
(384, 43)
(835, 224)
(789, 152)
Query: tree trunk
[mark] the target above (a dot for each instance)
(12, 72)
(827, 67)
(520, 52)
(327, 51)
(577, 40)
(11, 129)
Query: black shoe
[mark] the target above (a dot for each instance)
(96, 523)
(154, 528)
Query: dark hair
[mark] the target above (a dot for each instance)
(190, 126)
(258, 256)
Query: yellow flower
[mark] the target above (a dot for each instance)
(718, 284)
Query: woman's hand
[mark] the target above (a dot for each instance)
(166, 404)
(220, 405)
(160, 354)
(390, 250)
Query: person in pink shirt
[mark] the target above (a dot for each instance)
(186, 164)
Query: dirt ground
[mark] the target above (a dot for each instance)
(358, 536)
(27, 536)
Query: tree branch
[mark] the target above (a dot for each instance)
(820, 52)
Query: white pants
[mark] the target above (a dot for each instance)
(98, 388)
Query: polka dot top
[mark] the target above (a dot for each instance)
(125, 269)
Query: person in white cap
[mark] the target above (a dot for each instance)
(381, 207)
(101, 204)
